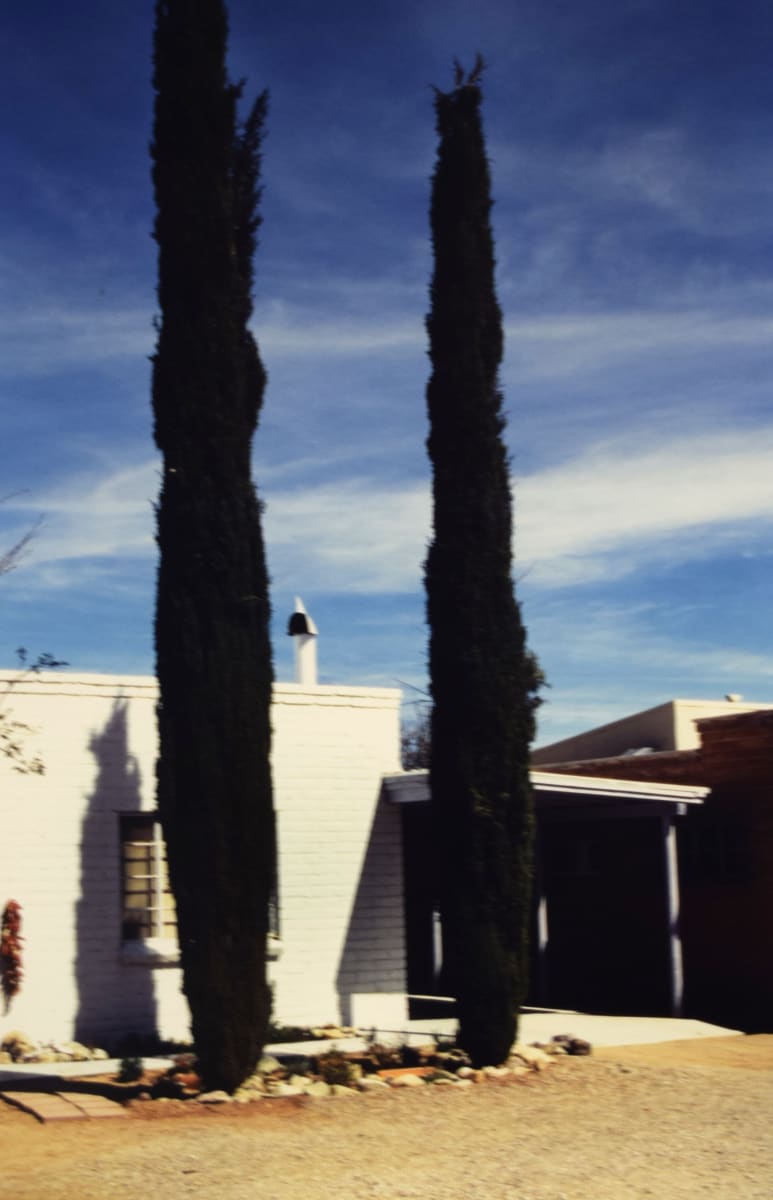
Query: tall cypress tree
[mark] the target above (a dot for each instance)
(482, 676)
(212, 644)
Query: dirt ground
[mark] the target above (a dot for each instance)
(675, 1120)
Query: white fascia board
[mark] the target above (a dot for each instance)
(411, 787)
(407, 787)
(626, 789)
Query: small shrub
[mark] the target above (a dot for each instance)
(277, 1034)
(130, 1070)
(335, 1067)
(10, 951)
(450, 1059)
(169, 1087)
(379, 1057)
(384, 1058)
(410, 1056)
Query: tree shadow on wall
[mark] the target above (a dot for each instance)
(373, 956)
(115, 999)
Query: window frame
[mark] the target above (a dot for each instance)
(160, 946)
(153, 939)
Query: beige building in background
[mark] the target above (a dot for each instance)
(668, 726)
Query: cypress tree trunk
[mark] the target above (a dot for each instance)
(482, 676)
(212, 643)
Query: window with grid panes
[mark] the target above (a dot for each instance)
(148, 904)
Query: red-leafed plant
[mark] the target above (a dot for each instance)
(10, 950)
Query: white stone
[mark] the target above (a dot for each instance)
(372, 1083)
(530, 1055)
(280, 1088)
(316, 1087)
(215, 1097)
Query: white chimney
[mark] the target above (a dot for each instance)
(303, 631)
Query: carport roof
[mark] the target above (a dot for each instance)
(557, 791)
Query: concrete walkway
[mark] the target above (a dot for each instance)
(540, 1025)
(616, 1031)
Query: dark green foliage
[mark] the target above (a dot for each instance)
(277, 1034)
(212, 646)
(130, 1069)
(483, 679)
(335, 1068)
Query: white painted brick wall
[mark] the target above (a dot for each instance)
(339, 857)
(331, 749)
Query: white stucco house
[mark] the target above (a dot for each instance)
(355, 929)
(81, 851)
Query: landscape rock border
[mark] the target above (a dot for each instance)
(18, 1047)
(330, 1072)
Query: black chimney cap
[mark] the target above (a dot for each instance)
(298, 623)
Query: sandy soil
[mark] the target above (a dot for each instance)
(676, 1121)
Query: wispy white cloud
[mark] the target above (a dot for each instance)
(336, 337)
(682, 180)
(352, 536)
(610, 512)
(607, 514)
(579, 345)
(45, 339)
(92, 516)
(40, 339)
(552, 347)
(662, 173)
(614, 508)
(605, 659)
(639, 640)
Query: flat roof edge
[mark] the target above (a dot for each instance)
(413, 786)
(90, 683)
(634, 789)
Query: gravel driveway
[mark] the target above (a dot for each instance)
(676, 1121)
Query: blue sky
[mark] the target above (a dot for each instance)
(632, 155)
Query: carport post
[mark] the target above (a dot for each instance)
(543, 932)
(672, 910)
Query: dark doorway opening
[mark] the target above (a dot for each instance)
(422, 923)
